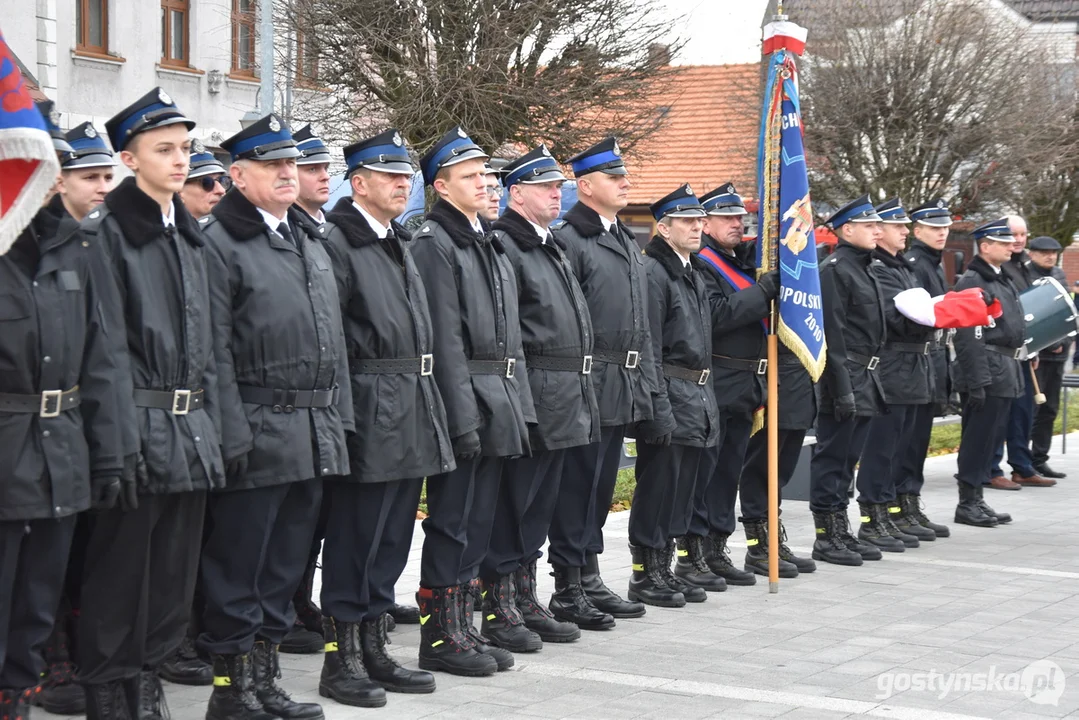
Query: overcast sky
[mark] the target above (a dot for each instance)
(719, 31)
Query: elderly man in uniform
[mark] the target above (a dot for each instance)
(989, 374)
(671, 446)
(480, 371)
(739, 305)
(850, 390)
(142, 556)
(401, 431)
(609, 266)
(207, 182)
(556, 334)
(1044, 254)
(278, 338)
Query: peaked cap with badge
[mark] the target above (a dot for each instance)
(533, 168)
(891, 211)
(724, 200)
(452, 148)
(605, 157)
(313, 151)
(385, 152)
(680, 203)
(88, 149)
(860, 210)
(997, 230)
(203, 162)
(52, 124)
(266, 139)
(153, 110)
(934, 214)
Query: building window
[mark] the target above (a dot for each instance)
(243, 37)
(174, 18)
(92, 26)
(306, 59)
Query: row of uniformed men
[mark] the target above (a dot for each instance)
(152, 358)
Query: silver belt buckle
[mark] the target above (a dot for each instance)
(586, 367)
(633, 359)
(52, 402)
(511, 367)
(427, 364)
(762, 366)
(181, 402)
(873, 362)
(927, 346)
(704, 376)
(1018, 355)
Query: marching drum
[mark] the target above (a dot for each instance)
(1049, 314)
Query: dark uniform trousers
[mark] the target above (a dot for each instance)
(881, 468)
(663, 498)
(253, 562)
(1050, 381)
(33, 555)
(457, 530)
(584, 498)
(914, 451)
(1018, 430)
(137, 585)
(831, 470)
(718, 478)
(368, 537)
(754, 484)
(983, 431)
(526, 503)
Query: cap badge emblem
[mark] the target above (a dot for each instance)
(164, 97)
(91, 132)
(615, 149)
(461, 132)
(397, 139)
(275, 126)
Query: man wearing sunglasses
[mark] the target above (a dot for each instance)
(206, 182)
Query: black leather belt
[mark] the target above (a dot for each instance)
(695, 376)
(582, 365)
(758, 366)
(919, 348)
(47, 404)
(288, 400)
(505, 367)
(1014, 353)
(629, 359)
(178, 402)
(870, 361)
(422, 365)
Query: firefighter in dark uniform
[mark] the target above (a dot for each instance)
(609, 266)
(62, 379)
(988, 373)
(278, 338)
(401, 433)
(671, 447)
(142, 556)
(480, 371)
(556, 334)
(740, 304)
(904, 374)
(1044, 254)
(850, 392)
(931, 226)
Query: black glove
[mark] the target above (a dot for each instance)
(660, 440)
(988, 297)
(135, 475)
(976, 398)
(769, 282)
(467, 446)
(845, 407)
(236, 468)
(104, 491)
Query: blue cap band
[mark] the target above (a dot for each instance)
(673, 206)
(381, 153)
(541, 165)
(446, 152)
(592, 160)
(131, 122)
(249, 144)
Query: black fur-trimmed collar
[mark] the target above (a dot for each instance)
(139, 215)
(357, 230)
(456, 225)
(920, 247)
(665, 255)
(987, 271)
(587, 222)
(892, 261)
(517, 227)
(243, 221)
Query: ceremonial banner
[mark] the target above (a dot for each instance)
(28, 165)
(786, 219)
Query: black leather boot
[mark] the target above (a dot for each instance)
(830, 546)
(274, 699)
(804, 565)
(866, 550)
(719, 562)
(301, 641)
(647, 583)
(689, 592)
(233, 697)
(444, 645)
(571, 604)
(691, 567)
(602, 597)
(969, 511)
(1002, 518)
(907, 523)
(912, 507)
(886, 514)
(15, 704)
(502, 622)
(60, 694)
(145, 697)
(757, 551)
(344, 676)
(538, 618)
(470, 591)
(185, 667)
(404, 614)
(872, 529)
(382, 668)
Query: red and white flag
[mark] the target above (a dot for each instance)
(962, 309)
(784, 35)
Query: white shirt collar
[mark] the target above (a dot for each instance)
(607, 224)
(478, 226)
(169, 218)
(540, 230)
(271, 220)
(995, 269)
(381, 230)
(320, 218)
(685, 261)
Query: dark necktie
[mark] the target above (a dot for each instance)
(284, 231)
